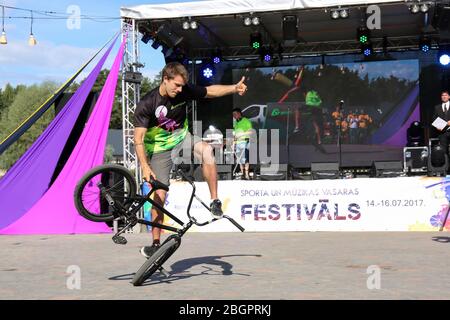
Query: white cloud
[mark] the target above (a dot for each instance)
(22, 64)
(44, 54)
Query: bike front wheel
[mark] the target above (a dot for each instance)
(100, 185)
(156, 260)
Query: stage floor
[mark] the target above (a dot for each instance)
(290, 265)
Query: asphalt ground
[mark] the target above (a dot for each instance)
(231, 266)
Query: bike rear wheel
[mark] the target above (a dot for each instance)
(156, 260)
(91, 202)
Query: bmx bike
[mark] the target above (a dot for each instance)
(108, 192)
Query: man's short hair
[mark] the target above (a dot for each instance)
(444, 91)
(237, 110)
(173, 69)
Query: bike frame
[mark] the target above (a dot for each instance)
(139, 201)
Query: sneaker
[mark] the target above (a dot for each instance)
(296, 130)
(149, 250)
(216, 208)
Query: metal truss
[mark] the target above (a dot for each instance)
(130, 98)
(317, 48)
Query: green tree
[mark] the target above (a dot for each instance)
(149, 84)
(2, 104)
(7, 97)
(24, 104)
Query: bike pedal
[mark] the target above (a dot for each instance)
(119, 240)
(164, 272)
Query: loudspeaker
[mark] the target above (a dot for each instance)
(223, 172)
(133, 77)
(437, 161)
(290, 29)
(269, 172)
(387, 169)
(324, 170)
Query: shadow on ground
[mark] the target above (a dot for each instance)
(180, 269)
(441, 239)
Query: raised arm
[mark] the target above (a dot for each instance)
(219, 90)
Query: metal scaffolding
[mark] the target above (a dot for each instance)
(130, 97)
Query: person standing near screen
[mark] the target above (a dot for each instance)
(242, 130)
(442, 111)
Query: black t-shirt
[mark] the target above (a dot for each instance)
(165, 117)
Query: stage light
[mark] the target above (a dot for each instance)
(415, 135)
(255, 40)
(208, 72)
(414, 8)
(334, 14)
(146, 37)
(167, 37)
(424, 44)
(444, 55)
(444, 59)
(189, 24)
(266, 54)
(343, 14)
(363, 35)
(194, 25)
(367, 50)
(339, 13)
(155, 44)
(251, 20)
(424, 7)
(3, 39)
(186, 25)
(217, 56)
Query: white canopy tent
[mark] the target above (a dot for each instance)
(220, 24)
(226, 7)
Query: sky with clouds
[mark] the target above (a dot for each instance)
(62, 50)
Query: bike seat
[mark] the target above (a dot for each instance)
(158, 184)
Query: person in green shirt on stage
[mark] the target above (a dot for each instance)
(242, 130)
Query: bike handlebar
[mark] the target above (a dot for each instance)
(158, 184)
(237, 225)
